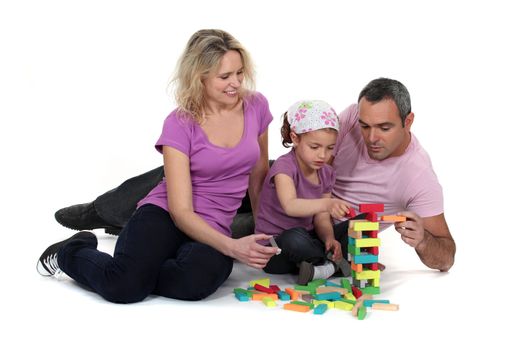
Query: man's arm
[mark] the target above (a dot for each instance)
(431, 239)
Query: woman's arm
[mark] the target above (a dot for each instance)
(180, 203)
(258, 174)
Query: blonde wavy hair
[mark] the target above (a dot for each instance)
(201, 56)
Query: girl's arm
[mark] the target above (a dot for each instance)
(299, 207)
(180, 203)
(258, 174)
(325, 231)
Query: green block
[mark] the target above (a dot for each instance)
(316, 283)
(307, 288)
(243, 291)
(297, 302)
(361, 313)
(353, 250)
(371, 290)
(345, 283)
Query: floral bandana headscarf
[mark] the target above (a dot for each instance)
(311, 115)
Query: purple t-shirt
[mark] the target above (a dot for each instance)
(271, 218)
(219, 176)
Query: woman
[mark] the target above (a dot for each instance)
(178, 243)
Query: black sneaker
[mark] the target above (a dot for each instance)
(84, 217)
(306, 273)
(47, 264)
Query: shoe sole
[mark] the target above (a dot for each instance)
(112, 230)
(306, 273)
(41, 268)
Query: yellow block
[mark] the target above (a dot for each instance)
(263, 282)
(349, 296)
(341, 305)
(327, 302)
(367, 242)
(366, 226)
(367, 274)
(269, 302)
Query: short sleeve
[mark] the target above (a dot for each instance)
(177, 133)
(282, 165)
(425, 195)
(263, 112)
(347, 121)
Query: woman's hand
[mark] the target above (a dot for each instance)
(251, 253)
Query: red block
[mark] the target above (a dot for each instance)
(370, 216)
(275, 288)
(351, 213)
(263, 289)
(356, 292)
(372, 234)
(373, 266)
(371, 208)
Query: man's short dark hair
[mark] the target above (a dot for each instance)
(384, 88)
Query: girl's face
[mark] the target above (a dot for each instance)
(223, 85)
(314, 148)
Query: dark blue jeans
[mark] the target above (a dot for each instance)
(152, 256)
(298, 244)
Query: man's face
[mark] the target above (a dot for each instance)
(381, 128)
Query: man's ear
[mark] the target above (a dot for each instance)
(409, 120)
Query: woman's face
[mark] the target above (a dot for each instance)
(222, 86)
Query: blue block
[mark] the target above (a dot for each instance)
(365, 259)
(283, 295)
(320, 309)
(369, 303)
(328, 296)
(332, 284)
(242, 297)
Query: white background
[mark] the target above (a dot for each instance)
(82, 101)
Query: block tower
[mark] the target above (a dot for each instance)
(363, 249)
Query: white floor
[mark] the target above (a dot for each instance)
(436, 309)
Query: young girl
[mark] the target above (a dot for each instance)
(295, 202)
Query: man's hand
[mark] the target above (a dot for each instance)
(412, 231)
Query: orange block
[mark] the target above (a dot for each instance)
(356, 267)
(260, 296)
(295, 307)
(393, 218)
(294, 295)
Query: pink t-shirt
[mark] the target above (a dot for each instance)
(271, 218)
(407, 182)
(219, 176)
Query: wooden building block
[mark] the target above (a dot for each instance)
(368, 274)
(393, 218)
(340, 290)
(269, 302)
(328, 296)
(369, 303)
(294, 295)
(283, 295)
(298, 302)
(366, 226)
(385, 307)
(320, 309)
(368, 208)
(371, 216)
(295, 307)
(341, 305)
(367, 242)
(263, 282)
(361, 313)
(328, 303)
(261, 296)
(365, 259)
(263, 289)
(356, 267)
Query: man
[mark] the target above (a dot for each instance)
(377, 160)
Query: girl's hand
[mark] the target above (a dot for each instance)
(251, 253)
(331, 245)
(338, 208)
